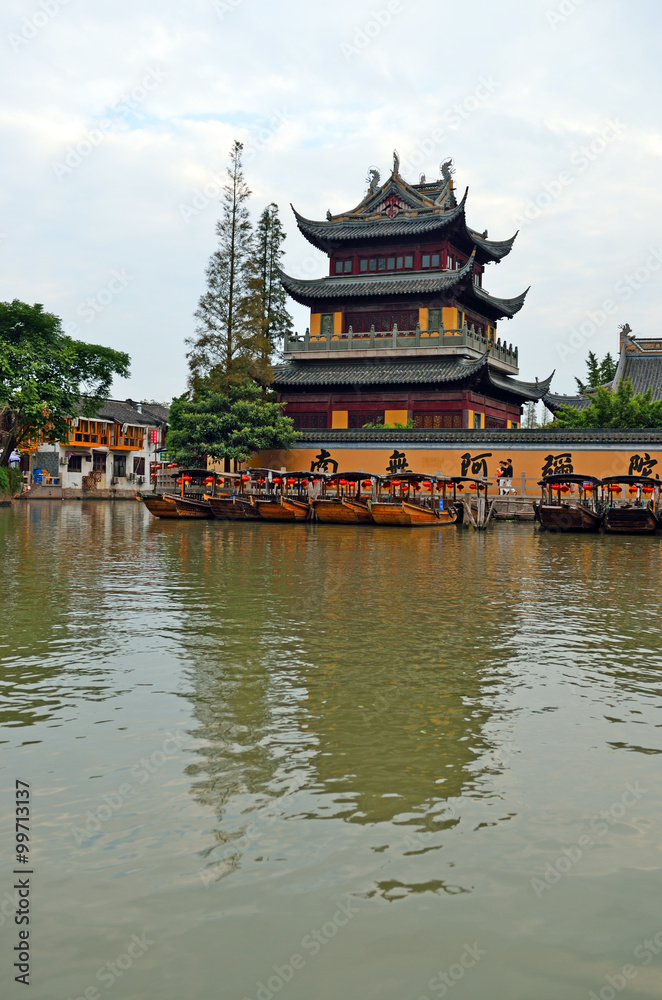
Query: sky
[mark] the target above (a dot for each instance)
(117, 118)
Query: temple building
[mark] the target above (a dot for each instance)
(402, 330)
(640, 360)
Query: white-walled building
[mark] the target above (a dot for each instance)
(112, 453)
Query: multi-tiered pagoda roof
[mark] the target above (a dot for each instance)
(404, 294)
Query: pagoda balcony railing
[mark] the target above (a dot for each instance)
(439, 340)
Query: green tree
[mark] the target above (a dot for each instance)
(46, 377)
(232, 424)
(599, 372)
(622, 408)
(267, 299)
(223, 348)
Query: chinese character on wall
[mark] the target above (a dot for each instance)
(477, 463)
(641, 466)
(558, 465)
(323, 461)
(397, 462)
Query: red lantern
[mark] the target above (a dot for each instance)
(427, 484)
(460, 487)
(179, 482)
(395, 482)
(209, 479)
(648, 489)
(556, 486)
(173, 465)
(614, 488)
(565, 489)
(633, 489)
(276, 479)
(587, 486)
(366, 484)
(473, 486)
(245, 479)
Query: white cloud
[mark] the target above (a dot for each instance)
(230, 76)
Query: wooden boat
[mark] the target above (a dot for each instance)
(637, 517)
(283, 509)
(195, 509)
(349, 506)
(160, 506)
(233, 508)
(411, 510)
(575, 514)
(342, 511)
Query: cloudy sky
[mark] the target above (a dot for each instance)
(117, 117)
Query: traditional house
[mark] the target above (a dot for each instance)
(114, 452)
(402, 330)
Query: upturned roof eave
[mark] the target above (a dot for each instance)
(324, 234)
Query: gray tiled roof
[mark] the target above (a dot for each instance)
(362, 223)
(306, 374)
(532, 391)
(645, 372)
(554, 401)
(539, 437)
(413, 283)
(123, 412)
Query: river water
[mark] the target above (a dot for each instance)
(322, 762)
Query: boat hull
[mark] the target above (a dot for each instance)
(567, 517)
(192, 509)
(234, 509)
(283, 510)
(160, 506)
(630, 521)
(410, 515)
(342, 512)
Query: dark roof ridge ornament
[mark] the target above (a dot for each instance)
(396, 163)
(374, 177)
(447, 168)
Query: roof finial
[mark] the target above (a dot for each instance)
(447, 169)
(396, 162)
(328, 215)
(374, 178)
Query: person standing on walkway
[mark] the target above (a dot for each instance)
(508, 477)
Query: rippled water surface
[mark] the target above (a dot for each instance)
(317, 762)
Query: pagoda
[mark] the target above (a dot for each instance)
(402, 329)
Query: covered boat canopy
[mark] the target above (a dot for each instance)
(627, 480)
(569, 478)
(353, 477)
(412, 477)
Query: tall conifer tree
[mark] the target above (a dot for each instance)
(222, 351)
(267, 303)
